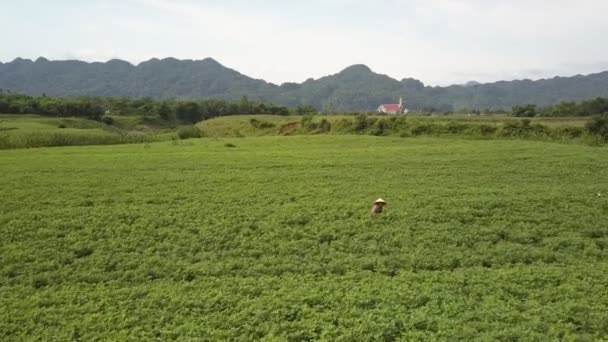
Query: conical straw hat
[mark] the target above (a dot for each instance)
(380, 200)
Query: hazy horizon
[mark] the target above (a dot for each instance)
(439, 42)
(333, 73)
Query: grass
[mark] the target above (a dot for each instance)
(242, 125)
(24, 131)
(490, 240)
(484, 127)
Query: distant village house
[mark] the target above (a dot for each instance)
(394, 109)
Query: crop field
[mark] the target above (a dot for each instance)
(270, 238)
(19, 131)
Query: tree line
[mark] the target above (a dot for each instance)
(95, 108)
(594, 107)
(192, 111)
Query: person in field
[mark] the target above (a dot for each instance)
(378, 206)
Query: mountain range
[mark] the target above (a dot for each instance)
(356, 88)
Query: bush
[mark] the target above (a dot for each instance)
(537, 130)
(308, 125)
(230, 145)
(423, 129)
(487, 129)
(108, 120)
(524, 129)
(457, 128)
(188, 132)
(399, 123)
(324, 126)
(598, 126)
(361, 122)
(261, 124)
(510, 129)
(526, 111)
(306, 121)
(379, 127)
(570, 132)
(61, 125)
(344, 125)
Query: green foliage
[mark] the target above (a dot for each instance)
(261, 124)
(597, 106)
(306, 110)
(526, 111)
(108, 120)
(188, 132)
(35, 131)
(361, 122)
(598, 126)
(273, 241)
(356, 88)
(306, 121)
(324, 126)
(187, 112)
(310, 125)
(71, 139)
(548, 129)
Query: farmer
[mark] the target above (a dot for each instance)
(378, 206)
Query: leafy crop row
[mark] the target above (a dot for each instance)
(271, 238)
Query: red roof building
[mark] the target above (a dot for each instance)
(392, 108)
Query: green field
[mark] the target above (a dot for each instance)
(241, 125)
(269, 238)
(27, 131)
(19, 131)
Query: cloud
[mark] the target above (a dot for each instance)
(436, 41)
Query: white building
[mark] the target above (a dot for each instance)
(393, 109)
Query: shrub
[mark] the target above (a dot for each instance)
(324, 126)
(266, 124)
(524, 111)
(422, 129)
(361, 122)
(108, 120)
(511, 128)
(381, 126)
(61, 125)
(261, 124)
(344, 125)
(188, 132)
(230, 145)
(524, 129)
(537, 129)
(398, 123)
(306, 122)
(457, 128)
(487, 129)
(598, 126)
(570, 132)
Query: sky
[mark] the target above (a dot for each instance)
(439, 42)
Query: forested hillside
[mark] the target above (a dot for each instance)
(356, 88)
